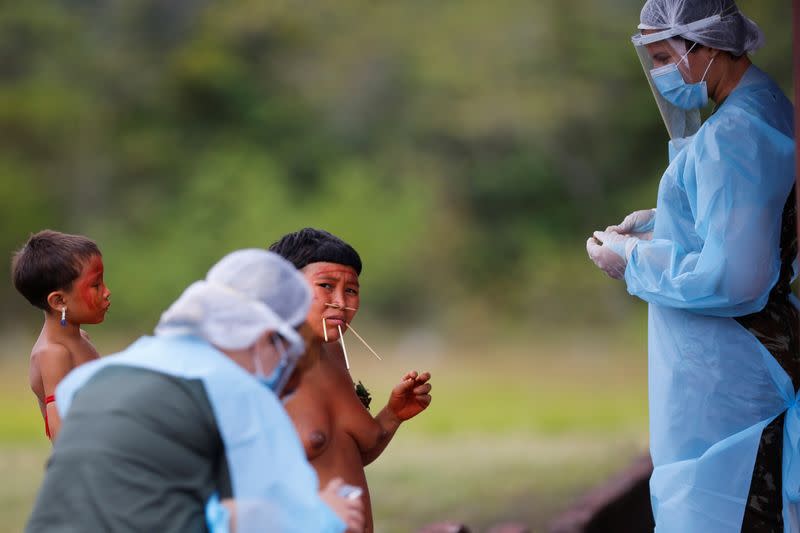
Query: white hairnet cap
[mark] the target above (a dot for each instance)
(714, 23)
(267, 277)
(239, 301)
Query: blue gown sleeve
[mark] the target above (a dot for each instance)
(257, 516)
(273, 485)
(736, 179)
(218, 519)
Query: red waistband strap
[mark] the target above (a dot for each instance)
(50, 399)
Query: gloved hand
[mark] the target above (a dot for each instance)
(638, 224)
(622, 245)
(610, 251)
(608, 261)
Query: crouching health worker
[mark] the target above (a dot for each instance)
(714, 262)
(184, 431)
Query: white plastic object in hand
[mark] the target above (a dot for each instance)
(621, 245)
(607, 260)
(350, 492)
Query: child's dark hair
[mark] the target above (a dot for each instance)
(48, 262)
(311, 245)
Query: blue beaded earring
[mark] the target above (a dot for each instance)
(63, 316)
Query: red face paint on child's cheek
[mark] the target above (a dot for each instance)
(87, 284)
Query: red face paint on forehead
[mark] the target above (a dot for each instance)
(332, 270)
(90, 283)
(93, 267)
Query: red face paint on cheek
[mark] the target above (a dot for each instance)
(87, 284)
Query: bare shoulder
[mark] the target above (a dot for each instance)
(53, 362)
(50, 353)
(84, 352)
(340, 393)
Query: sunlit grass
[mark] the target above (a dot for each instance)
(22, 470)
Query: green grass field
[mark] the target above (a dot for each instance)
(514, 432)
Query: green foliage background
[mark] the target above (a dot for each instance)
(465, 148)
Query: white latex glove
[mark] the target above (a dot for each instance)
(606, 259)
(610, 251)
(622, 245)
(638, 224)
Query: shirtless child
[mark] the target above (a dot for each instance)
(61, 274)
(339, 434)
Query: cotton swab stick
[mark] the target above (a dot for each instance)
(324, 329)
(341, 341)
(350, 327)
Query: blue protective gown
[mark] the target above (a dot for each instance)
(722, 331)
(274, 486)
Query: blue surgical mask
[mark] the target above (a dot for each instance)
(670, 83)
(276, 380)
(271, 381)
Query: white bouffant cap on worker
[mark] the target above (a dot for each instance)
(247, 293)
(714, 23)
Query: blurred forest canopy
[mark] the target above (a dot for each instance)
(466, 149)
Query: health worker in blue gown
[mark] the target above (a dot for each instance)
(185, 430)
(714, 261)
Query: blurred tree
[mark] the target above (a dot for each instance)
(466, 149)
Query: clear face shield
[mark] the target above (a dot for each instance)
(680, 122)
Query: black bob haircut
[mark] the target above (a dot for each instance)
(49, 261)
(311, 245)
